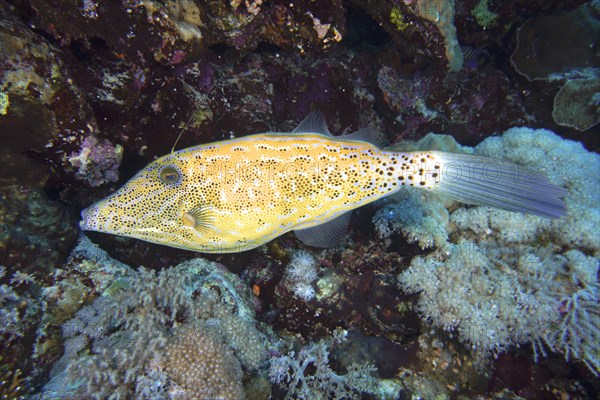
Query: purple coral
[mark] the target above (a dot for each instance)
(97, 162)
(178, 57)
(206, 80)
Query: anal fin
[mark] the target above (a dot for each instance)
(327, 234)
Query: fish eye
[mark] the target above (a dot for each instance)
(169, 175)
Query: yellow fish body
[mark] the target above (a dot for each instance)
(238, 194)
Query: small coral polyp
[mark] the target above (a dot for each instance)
(301, 272)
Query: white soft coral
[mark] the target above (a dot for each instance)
(505, 279)
(301, 272)
(304, 291)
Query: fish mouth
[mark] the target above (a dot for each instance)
(84, 223)
(89, 219)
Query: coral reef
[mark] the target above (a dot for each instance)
(90, 92)
(132, 337)
(97, 162)
(504, 279)
(4, 103)
(20, 313)
(492, 308)
(12, 319)
(291, 371)
(564, 162)
(417, 103)
(419, 219)
(175, 32)
(39, 97)
(557, 44)
(420, 29)
(577, 104)
(484, 16)
(202, 366)
(441, 13)
(560, 47)
(36, 232)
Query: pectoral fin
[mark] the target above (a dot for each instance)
(199, 218)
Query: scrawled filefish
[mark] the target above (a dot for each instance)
(238, 194)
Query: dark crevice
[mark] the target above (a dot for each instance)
(363, 33)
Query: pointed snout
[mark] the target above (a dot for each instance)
(89, 218)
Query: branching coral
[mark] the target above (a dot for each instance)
(494, 297)
(577, 332)
(292, 371)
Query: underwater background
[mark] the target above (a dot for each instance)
(425, 299)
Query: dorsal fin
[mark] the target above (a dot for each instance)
(366, 135)
(327, 234)
(313, 123)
